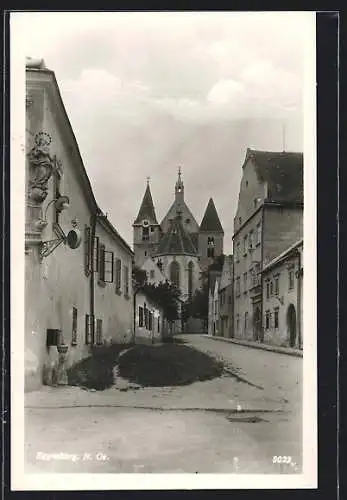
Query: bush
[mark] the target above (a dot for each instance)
(96, 371)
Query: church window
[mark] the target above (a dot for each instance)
(258, 234)
(187, 221)
(175, 273)
(145, 233)
(152, 229)
(190, 279)
(210, 247)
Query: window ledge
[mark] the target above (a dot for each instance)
(101, 283)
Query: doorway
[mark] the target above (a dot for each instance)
(256, 323)
(291, 323)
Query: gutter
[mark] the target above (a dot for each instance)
(92, 275)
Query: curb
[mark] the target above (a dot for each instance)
(265, 347)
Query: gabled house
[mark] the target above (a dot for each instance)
(77, 266)
(268, 220)
(226, 298)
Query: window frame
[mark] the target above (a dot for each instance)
(74, 326)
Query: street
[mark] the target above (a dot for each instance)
(239, 423)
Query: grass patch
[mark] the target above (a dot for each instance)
(167, 365)
(96, 371)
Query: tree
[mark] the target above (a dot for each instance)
(166, 295)
(139, 276)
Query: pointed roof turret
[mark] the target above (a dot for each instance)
(210, 221)
(147, 208)
(176, 241)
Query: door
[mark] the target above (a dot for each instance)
(256, 323)
(291, 323)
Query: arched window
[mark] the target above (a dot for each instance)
(190, 279)
(175, 273)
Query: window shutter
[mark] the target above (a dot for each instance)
(108, 266)
(96, 254)
(99, 331)
(102, 262)
(74, 326)
(140, 316)
(87, 250)
(118, 275)
(89, 329)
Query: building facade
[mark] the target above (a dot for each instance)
(282, 298)
(149, 320)
(69, 300)
(226, 298)
(268, 220)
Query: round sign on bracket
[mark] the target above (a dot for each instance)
(74, 238)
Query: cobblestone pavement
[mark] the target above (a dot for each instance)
(230, 424)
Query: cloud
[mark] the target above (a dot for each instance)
(147, 91)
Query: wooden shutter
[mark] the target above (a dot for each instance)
(96, 254)
(74, 326)
(118, 275)
(87, 250)
(99, 331)
(140, 316)
(108, 266)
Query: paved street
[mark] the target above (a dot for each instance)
(230, 424)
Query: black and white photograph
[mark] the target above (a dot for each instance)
(164, 293)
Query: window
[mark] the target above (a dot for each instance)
(74, 326)
(126, 281)
(118, 275)
(89, 329)
(175, 273)
(190, 279)
(258, 241)
(276, 317)
(267, 320)
(87, 250)
(251, 239)
(159, 324)
(96, 254)
(145, 314)
(102, 263)
(160, 264)
(244, 245)
(268, 290)
(151, 274)
(237, 291)
(145, 254)
(152, 229)
(277, 289)
(229, 299)
(246, 183)
(291, 279)
(145, 234)
(187, 221)
(245, 282)
(99, 331)
(255, 202)
(246, 321)
(210, 247)
(238, 252)
(271, 288)
(150, 321)
(140, 316)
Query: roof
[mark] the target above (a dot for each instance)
(147, 208)
(39, 67)
(210, 221)
(176, 241)
(283, 171)
(280, 258)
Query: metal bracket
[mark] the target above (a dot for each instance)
(48, 247)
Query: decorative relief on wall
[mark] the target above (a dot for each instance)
(42, 165)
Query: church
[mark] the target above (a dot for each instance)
(178, 246)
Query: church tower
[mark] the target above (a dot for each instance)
(211, 235)
(146, 230)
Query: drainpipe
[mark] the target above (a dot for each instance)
(92, 276)
(134, 313)
(299, 298)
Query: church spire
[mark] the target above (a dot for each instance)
(147, 211)
(210, 221)
(179, 187)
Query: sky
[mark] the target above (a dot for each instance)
(147, 92)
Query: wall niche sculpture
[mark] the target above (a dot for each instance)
(41, 167)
